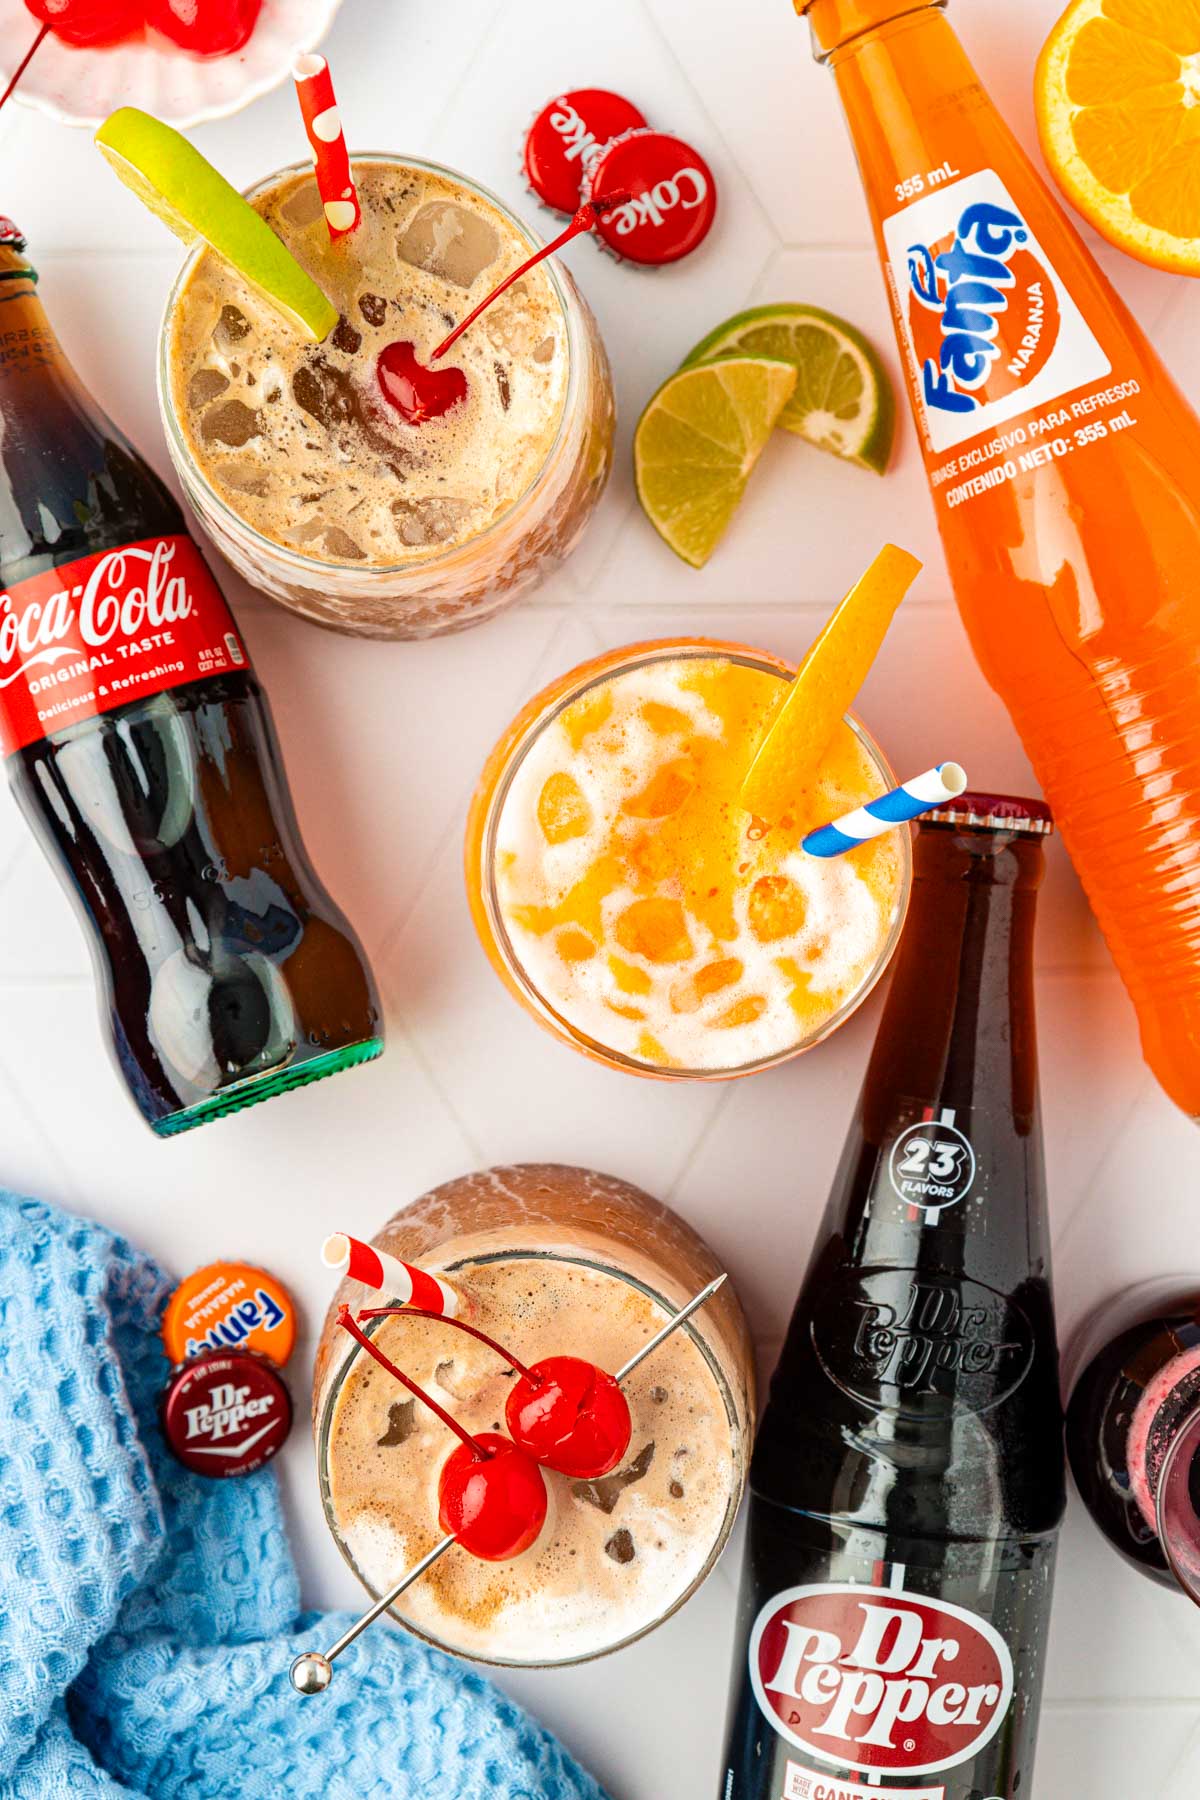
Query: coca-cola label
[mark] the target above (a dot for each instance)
(878, 1680)
(95, 634)
(989, 326)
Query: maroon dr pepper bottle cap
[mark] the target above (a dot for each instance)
(566, 138)
(672, 197)
(225, 1414)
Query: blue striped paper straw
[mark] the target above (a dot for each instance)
(908, 801)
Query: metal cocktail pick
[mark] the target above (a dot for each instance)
(312, 1670)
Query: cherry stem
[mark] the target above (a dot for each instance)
(418, 1312)
(24, 64)
(346, 1320)
(583, 221)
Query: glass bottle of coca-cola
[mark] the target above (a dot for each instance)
(141, 751)
(907, 1484)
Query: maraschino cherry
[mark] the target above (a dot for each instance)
(566, 1413)
(417, 393)
(491, 1494)
(571, 1416)
(494, 1504)
(205, 27)
(420, 392)
(89, 22)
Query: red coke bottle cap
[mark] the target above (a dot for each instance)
(672, 197)
(566, 138)
(225, 1414)
(11, 233)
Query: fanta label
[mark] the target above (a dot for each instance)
(990, 329)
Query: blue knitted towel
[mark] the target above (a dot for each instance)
(148, 1616)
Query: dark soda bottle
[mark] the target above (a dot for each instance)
(141, 752)
(907, 1482)
(1133, 1428)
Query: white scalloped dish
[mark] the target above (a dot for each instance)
(81, 87)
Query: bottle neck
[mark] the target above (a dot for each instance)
(958, 1032)
(26, 337)
(917, 112)
(837, 25)
(70, 484)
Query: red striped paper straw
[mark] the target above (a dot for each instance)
(400, 1281)
(322, 122)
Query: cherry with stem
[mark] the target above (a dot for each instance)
(568, 1414)
(491, 1495)
(418, 391)
(584, 220)
(347, 1321)
(312, 1670)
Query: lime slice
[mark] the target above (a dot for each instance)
(696, 443)
(843, 400)
(170, 176)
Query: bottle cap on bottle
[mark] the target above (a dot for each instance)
(225, 1413)
(673, 197)
(995, 812)
(11, 233)
(229, 1306)
(567, 136)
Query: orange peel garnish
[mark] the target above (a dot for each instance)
(828, 679)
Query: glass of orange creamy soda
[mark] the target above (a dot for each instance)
(634, 907)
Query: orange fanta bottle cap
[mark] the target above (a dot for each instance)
(229, 1306)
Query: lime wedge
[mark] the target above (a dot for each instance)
(843, 400)
(170, 176)
(828, 679)
(696, 443)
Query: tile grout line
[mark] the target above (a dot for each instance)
(1191, 1745)
(415, 1049)
(485, 37)
(388, 944)
(665, 43)
(718, 1109)
(1140, 1090)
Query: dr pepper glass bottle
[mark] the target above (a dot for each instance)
(1063, 463)
(141, 751)
(907, 1485)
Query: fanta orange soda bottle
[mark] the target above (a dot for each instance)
(1065, 470)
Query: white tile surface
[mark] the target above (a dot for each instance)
(383, 743)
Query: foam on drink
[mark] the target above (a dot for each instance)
(297, 437)
(639, 901)
(614, 1554)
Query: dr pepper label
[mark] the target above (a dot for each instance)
(94, 634)
(879, 1680)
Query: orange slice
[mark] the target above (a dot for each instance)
(1117, 93)
(831, 674)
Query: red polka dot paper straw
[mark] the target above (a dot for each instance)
(400, 1281)
(322, 122)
